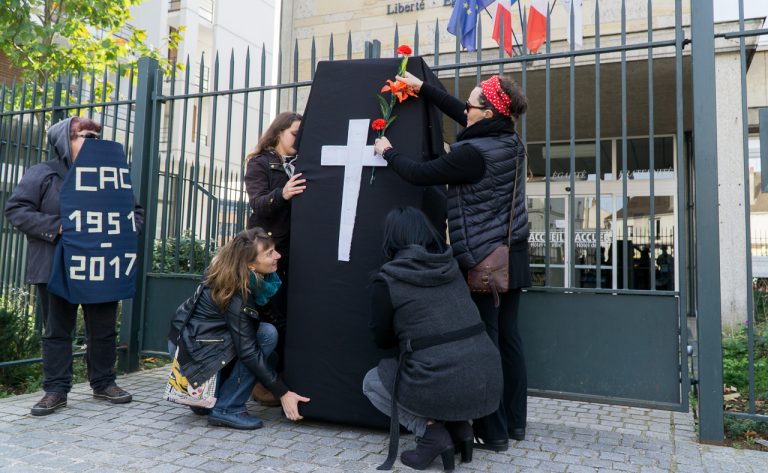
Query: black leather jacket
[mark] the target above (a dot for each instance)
(211, 339)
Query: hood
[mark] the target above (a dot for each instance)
(58, 137)
(415, 265)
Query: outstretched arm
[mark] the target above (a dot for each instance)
(447, 103)
(463, 165)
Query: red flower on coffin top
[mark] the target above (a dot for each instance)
(404, 50)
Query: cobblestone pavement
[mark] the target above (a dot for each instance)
(152, 435)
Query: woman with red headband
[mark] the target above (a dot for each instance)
(485, 167)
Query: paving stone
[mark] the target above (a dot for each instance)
(151, 435)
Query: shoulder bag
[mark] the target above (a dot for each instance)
(178, 388)
(491, 275)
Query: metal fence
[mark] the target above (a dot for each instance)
(188, 135)
(756, 318)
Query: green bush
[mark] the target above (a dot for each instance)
(18, 340)
(736, 360)
(165, 261)
(736, 428)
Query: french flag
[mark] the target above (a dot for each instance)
(503, 12)
(537, 24)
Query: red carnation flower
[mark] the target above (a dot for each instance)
(405, 50)
(379, 124)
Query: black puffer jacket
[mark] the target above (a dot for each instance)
(211, 339)
(479, 213)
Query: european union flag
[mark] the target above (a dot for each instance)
(464, 17)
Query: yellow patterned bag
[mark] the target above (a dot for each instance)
(179, 391)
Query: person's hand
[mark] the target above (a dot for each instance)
(414, 83)
(60, 229)
(294, 187)
(290, 402)
(381, 145)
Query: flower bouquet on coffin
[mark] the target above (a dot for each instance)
(398, 92)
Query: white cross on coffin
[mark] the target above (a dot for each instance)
(353, 157)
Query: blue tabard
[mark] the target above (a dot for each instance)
(95, 258)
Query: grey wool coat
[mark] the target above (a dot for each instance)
(33, 207)
(428, 296)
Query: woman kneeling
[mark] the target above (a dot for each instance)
(449, 370)
(224, 335)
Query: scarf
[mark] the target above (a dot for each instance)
(496, 126)
(263, 288)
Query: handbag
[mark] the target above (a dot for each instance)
(178, 388)
(491, 275)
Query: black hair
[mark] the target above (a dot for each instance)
(405, 226)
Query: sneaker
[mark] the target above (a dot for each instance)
(113, 393)
(241, 421)
(49, 403)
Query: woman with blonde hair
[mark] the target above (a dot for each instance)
(224, 332)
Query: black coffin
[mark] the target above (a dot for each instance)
(329, 347)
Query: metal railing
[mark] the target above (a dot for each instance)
(756, 322)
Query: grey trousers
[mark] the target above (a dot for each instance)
(377, 393)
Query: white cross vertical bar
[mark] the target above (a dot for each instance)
(353, 156)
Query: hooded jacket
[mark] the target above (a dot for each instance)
(33, 207)
(458, 380)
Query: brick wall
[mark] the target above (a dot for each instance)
(7, 71)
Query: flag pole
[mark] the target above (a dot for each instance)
(520, 11)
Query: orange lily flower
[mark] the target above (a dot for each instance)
(399, 90)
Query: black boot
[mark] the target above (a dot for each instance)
(461, 435)
(436, 441)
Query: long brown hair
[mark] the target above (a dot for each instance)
(228, 273)
(269, 139)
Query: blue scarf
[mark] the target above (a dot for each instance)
(265, 288)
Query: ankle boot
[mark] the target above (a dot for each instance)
(436, 441)
(461, 435)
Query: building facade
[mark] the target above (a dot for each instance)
(634, 103)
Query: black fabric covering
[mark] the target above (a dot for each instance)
(329, 345)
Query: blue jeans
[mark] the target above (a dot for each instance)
(236, 381)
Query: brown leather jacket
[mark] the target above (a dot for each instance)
(264, 181)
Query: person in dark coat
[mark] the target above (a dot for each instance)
(449, 370)
(33, 208)
(271, 183)
(224, 333)
(483, 170)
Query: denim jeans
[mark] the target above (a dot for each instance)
(236, 381)
(60, 318)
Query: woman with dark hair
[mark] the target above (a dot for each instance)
(34, 209)
(224, 333)
(448, 371)
(485, 174)
(271, 183)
